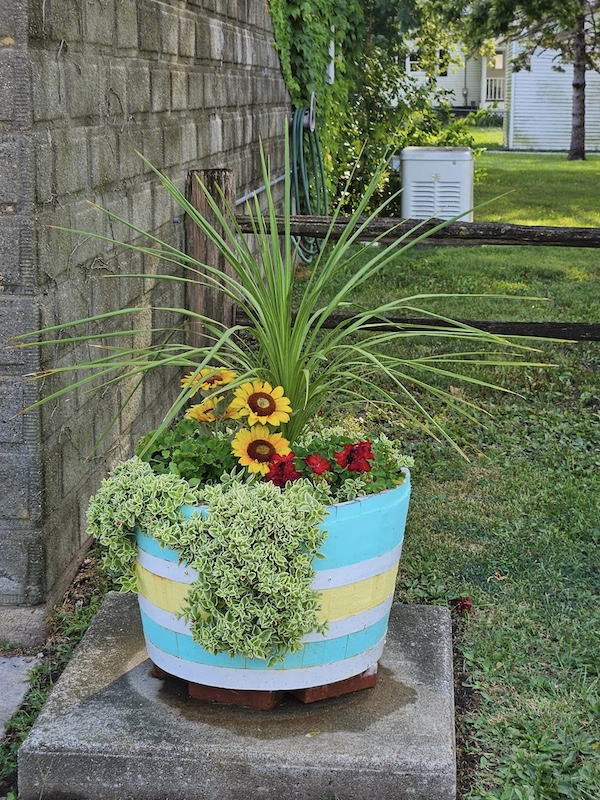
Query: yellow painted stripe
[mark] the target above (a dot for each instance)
(338, 603)
(354, 598)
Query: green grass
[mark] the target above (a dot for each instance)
(516, 528)
(488, 137)
(544, 189)
(69, 623)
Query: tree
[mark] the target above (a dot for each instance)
(568, 26)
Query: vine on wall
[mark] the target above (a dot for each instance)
(303, 32)
(374, 105)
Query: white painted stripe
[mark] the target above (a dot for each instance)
(340, 627)
(179, 573)
(342, 576)
(268, 679)
(325, 579)
(358, 622)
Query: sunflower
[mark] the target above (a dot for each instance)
(261, 403)
(208, 378)
(255, 447)
(202, 412)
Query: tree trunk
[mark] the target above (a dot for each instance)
(577, 148)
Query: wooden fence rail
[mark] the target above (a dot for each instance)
(454, 233)
(461, 234)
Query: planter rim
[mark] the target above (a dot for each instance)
(346, 503)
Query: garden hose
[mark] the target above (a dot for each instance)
(308, 186)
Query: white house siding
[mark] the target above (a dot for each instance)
(456, 80)
(539, 107)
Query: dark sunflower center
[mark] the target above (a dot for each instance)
(261, 450)
(262, 404)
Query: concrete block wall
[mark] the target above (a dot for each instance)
(192, 84)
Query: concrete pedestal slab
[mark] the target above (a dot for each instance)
(109, 731)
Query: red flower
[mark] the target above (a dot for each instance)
(355, 457)
(317, 463)
(282, 470)
(464, 605)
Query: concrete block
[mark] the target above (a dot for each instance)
(195, 90)
(85, 220)
(23, 626)
(179, 97)
(109, 730)
(8, 75)
(10, 262)
(172, 141)
(100, 22)
(13, 164)
(189, 144)
(104, 164)
(116, 92)
(127, 25)
(140, 209)
(169, 32)
(138, 88)
(160, 83)
(43, 176)
(187, 36)
(12, 402)
(203, 38)
(21, 561)
(86, 88)
(217, 40)
(64, 20)
(130, 164)
(71, 161)
(148, 19)
(18, 315)
(13, 21)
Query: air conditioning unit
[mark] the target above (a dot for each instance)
(437, 182)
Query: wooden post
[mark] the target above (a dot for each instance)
(207, 300)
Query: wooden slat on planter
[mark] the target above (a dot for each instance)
(453, 233)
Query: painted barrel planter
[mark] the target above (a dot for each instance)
(355, 580)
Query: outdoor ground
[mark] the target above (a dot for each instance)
(508, 539)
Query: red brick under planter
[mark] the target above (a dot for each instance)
(265, 701)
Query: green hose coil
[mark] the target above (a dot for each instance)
(308, 185)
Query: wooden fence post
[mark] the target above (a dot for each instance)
(207, 300)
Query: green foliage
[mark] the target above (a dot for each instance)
(374, 107)
(133, 495)
(252, 548)
(253, 552)
(303, 32)
(289, 339)
(188, 451)
(386, 469)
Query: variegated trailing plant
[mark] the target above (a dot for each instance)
(278, 370)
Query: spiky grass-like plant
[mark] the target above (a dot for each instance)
(289, 340)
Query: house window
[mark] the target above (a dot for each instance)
(498, 61)
(415, 62)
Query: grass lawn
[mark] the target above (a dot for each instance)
(489, 137)
(513, 532)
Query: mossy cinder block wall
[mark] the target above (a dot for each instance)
(192, 84)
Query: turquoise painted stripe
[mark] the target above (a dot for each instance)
(151, 546)
(364, 529)
(357, 531)
(312, 654)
